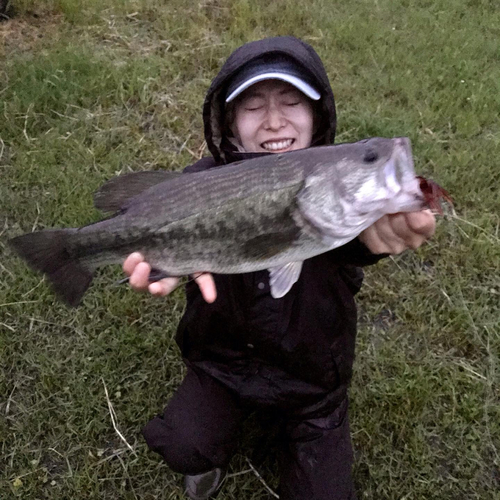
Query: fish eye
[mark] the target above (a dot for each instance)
(370, 156)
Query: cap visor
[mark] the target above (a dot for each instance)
(298, 83)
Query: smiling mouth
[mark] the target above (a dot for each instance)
(279, 145)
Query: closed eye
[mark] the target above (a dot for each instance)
(253, 103)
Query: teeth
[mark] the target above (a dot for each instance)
(277, 145)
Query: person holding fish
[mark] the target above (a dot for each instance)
(245, 349)
(280, 228)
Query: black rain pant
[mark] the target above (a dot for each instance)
(199, 428)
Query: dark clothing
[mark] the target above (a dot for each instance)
(249, 350)
(199, 429)
(295, 350)
(286, 352)
(317, 458)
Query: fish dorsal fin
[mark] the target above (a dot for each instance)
(113, 195)
(282, 278)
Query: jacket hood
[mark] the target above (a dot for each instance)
(303, 54)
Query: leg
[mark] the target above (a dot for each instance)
(317, 459)
(198, 429)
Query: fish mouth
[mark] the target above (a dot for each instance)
(401, 178)
(399, 165)
(277, 145)
(402, 153)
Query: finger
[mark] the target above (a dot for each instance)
(207, 286)
(131, 261)
(401, 231)
(423, 222)
(163, 287)
(372, 240)
(398, 225)
(139, 279)
(393, 242)
(402, 227)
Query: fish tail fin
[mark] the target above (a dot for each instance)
(47, 251)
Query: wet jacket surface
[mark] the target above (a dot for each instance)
(294, 353)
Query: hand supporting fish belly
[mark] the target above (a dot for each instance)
(139, 278)
(271, 212)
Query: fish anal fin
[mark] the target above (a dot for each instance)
(282, 278)
(114, 194)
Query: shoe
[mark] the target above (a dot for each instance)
(202, 486)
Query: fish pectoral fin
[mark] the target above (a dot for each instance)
(112, 195)
(282, 278)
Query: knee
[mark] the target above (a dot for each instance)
(177, 447)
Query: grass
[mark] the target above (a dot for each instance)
(90, 89)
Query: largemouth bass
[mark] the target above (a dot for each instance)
(271, 212)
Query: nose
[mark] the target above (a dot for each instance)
(274, 118)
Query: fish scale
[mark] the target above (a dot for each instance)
(185, 195)
(224, 243)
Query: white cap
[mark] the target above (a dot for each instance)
(277, 69)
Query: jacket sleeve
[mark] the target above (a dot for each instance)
(354, 253)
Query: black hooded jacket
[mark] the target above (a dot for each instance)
(291, 353)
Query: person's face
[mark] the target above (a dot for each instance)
(273, 116)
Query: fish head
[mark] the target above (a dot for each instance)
(377, 175)
(356, 184)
